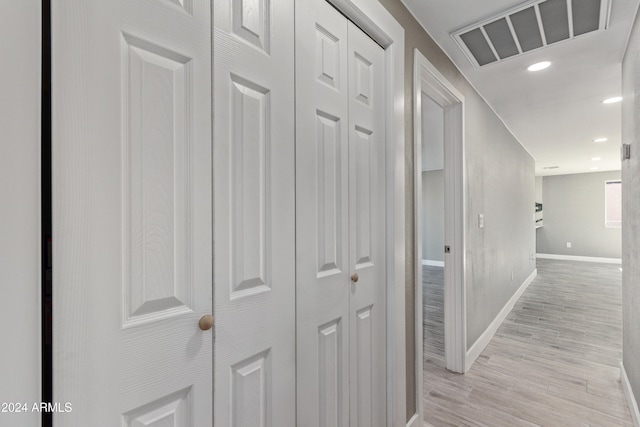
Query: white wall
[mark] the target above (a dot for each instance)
(20, 208)
(433, 215)
(432, 135)
(432, 180)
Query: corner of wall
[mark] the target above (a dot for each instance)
(631, 399)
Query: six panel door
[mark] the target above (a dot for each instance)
(254, 214)
(132, 223)
(340, 205)
(135, 233)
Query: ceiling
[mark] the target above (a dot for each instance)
(555, 113)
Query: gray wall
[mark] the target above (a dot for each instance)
(433, 215)
(574, 212)
(432, 135)
(432, 180)
(20, 208)
(499, 183)
(631, 211)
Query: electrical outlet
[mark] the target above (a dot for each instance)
(568, 244)
(480, 220)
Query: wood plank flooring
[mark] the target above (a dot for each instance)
(553, 362)
(433, 314)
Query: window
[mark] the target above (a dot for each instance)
(613, 204)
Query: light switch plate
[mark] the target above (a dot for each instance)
(480, 220)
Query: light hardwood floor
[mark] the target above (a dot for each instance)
(433, 314)
(553, 362)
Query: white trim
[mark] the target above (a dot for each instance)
(628, 392)
(414, 421)
(481, 343)
(433, 263)
(427, 79)
(380, 25)
(580, 258)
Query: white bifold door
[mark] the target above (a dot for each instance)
(340, 223)
(132, 222)
(254, 214)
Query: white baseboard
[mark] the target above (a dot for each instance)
(580, 258)
(631, 400)
(481, 343)
(414, 421)
(433, 263)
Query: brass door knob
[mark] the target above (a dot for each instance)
(206, 322)
(354, 277)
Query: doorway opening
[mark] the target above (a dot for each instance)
(432, 236)
(439, 221)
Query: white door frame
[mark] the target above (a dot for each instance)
(382, 27)
(428, 80)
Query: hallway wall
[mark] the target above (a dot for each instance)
(573, 212)
(631, 210)
(20, 28)
(499, 183)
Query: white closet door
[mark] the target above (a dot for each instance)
(367, 307)
(322, 222)
(254, 214)
(340, 230)
(132, 224)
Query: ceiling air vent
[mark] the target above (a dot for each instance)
(530, 26)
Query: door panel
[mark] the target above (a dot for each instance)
(322, 249)
(132, 221)
(367, 229)
(340, 221)
(254, 265)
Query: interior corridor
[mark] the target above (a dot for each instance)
(555, 361)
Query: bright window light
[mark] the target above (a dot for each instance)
(600, 140)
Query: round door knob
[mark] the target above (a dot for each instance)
(206, 322)
(354, 277)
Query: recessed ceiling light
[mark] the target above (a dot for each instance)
(539, 66)
(600, 140)
(612, 100)
(594, 169)
(595, 159)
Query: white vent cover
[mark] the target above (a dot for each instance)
(530, 26)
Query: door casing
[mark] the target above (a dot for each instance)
(428, 80)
